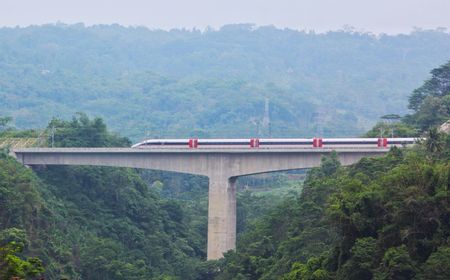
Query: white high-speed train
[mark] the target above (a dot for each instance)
(267, 143)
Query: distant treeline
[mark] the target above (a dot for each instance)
(179, 83)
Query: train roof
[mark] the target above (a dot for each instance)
(268, 140)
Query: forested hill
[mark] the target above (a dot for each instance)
(381, 218)
(81, 222)
(212, 83)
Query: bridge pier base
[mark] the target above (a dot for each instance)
(221, 216)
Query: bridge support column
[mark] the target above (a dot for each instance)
(221, 216)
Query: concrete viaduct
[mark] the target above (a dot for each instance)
(221, 166)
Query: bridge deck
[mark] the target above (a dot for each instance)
(201, 150)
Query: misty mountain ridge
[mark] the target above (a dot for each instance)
(184, 83)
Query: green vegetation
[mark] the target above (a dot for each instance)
(94, 222)
(430, 104)
(110, 223)
(183, 83)
(83, 132)
(7, 131)
(12, 265)
(396, 129)
(382, 218)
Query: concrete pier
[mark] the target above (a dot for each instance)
(221, 216)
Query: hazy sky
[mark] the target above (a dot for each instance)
(388, 16)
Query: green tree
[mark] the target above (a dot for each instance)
(434, 141)
(363, 260)
(431, 101)
(81, 131)
(12, 243)
(312, 270)
(396, 265)
(437, 266)
(330, 164)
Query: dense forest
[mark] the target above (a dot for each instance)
(385, 218)
(95, 222)
(213, 83)
(103, 222)
(382, 218)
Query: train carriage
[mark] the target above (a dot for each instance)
(274, 143)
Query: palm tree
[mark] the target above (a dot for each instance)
(433, 142)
